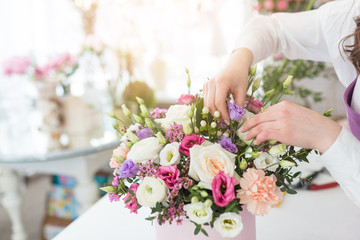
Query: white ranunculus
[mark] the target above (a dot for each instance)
(150, 191)
(207, 161)
(229, 224)
(198, 212)
(277, 150)
(144, 150)
(170, 154)
(266, 160)
(178, 114)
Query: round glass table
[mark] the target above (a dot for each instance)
(30, 151)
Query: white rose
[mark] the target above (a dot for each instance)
(150, 191)
(178, 114)
(229, 224)
(207, 161)
(170, 155)
(198, 212)
(144, 150)
(277, 150)
(266, 160)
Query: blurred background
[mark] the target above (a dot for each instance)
(67, 62)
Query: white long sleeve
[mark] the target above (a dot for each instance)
(316, 35)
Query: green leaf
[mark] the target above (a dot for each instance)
(108, 189)
(197, 229)
(328, 112)
(291, 191)
(158, 207)
(204, 232)
(230, 207)
(150, 218)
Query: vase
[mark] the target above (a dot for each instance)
(186, 230)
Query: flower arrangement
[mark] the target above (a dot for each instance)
(271, 6)
(184, 162)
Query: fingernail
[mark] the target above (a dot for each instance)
(241, 129)
(227, 122)
(246, 137)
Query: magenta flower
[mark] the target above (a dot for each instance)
(128, 169)
(186, 99)
(236, 112)
(41, 72)
(228, 145)
(133, 205)
(189, 141)
(170, 175)
(223, 189)
(255, 106)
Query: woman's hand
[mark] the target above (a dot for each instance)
(233, 78)
(293, 125)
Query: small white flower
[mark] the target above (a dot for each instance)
(229, 224)
(205, 110)
(277, 150)
(198, 212)
(265, 160)
(170, 155)
(144, 150)
(213, 124)
(217, 114)
(150, 191)
(203, 123)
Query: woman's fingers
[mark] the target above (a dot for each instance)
(210, 98)
(220, 101)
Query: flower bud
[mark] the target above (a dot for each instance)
(288, 92)
(132, 137)
(196, 130)
(194, 199)
(201, 186)
(269, 94)
(328, 112)
(208, 203)
(140, 100)
(213, 124)
(126, 111)
(217, 114)
(255, 154)
(253, 70)
(108, 189)
(205, 110)
(138, 119)
(186, 70)
(191, 112)
(272, 142)
(219, 133)
(188, 82)
(112, 115)
(128, 144)
(144, 111)
(203, 123)
(277, 150)
(204, 194)
(187, 128)
(161, 138)
(149, 124)
(195, 188)
(287, 82)
(226, 134)
(285, 163)
(243, 164)
(256, 84)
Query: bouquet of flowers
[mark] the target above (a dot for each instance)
(183, 162)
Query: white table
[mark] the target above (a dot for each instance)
(79, 163)
(320, 215)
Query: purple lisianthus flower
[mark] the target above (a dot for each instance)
(128, 169)
(144, 133)
(236, 112)
(226, 144)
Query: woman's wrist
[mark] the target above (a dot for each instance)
(329, 136)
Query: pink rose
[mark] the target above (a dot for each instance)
(223, 187)
(269, 5)
(132, 204)
(282, 5)
(186, 99)
(189, 141)
(258, 192)
(255, 106)
(170, 175)
(119, 152)
(16, 65)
